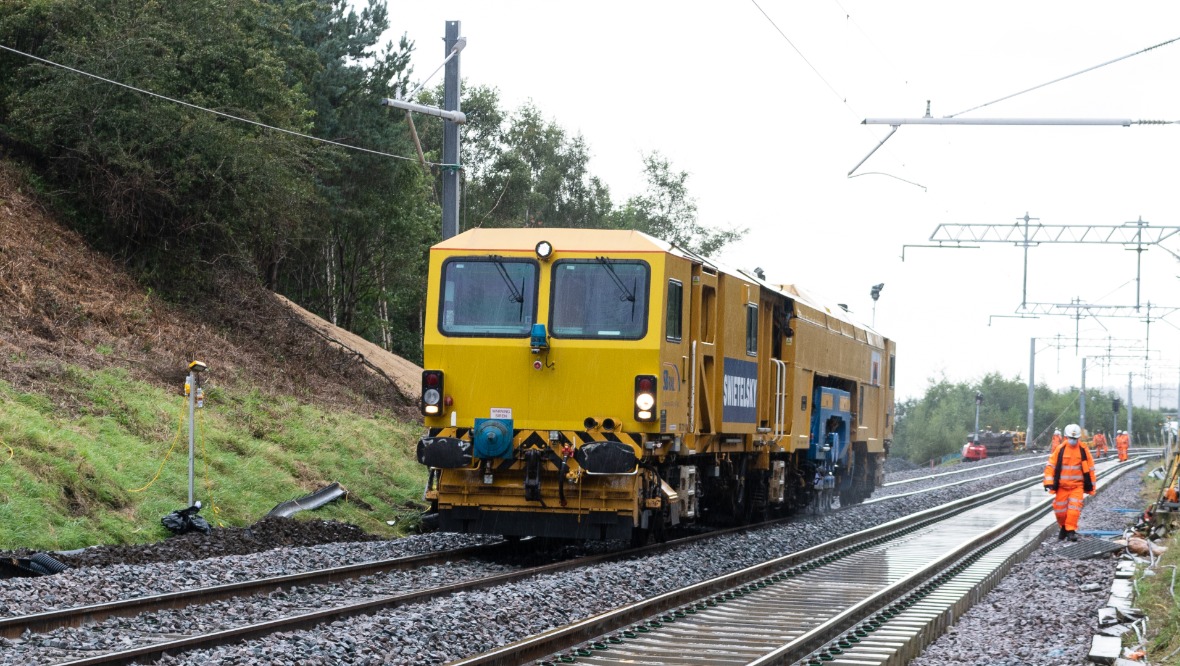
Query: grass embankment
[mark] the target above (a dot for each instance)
(105, 458)
(1156, 594)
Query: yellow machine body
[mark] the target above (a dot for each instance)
(732, 365)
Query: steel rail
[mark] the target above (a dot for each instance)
(549, 642)
(153, 652)
(691, 599)
(884, 498)
(945, 596)
(893, 595)
(15, 626)
(889, 484)
(156, 651)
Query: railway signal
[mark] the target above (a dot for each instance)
(875, 292)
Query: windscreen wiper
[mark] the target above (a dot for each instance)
(517, 295)
(627, 294)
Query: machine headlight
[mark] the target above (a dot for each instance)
(645, 397)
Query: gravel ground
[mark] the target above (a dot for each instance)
(450, 628)
(93, 585)
(1046, 619)
(988, 466)
(464, 624)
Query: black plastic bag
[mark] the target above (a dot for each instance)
(186, 520)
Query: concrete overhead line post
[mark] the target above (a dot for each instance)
(1130, 407)
(1114, 421)
(452, 118)
(978, 402)
(1030, 435)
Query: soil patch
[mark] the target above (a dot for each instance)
(268, 533)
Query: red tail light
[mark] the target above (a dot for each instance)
(432, 392)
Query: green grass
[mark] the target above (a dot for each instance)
(106, 460)
(1155, 597)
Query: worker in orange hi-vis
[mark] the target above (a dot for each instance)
(1057, 439)
(1069, 474)
(1122, 443)
(1099, 444)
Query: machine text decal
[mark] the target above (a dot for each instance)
(739, 391)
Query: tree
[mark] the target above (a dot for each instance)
(363, 243)
(665, 210)
(163, 185)
(939, 423)
(519, 169)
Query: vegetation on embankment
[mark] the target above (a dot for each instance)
(1156, 594)
(938, 423)
(107, 457)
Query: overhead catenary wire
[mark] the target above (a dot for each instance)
(1068, 76)
(842, 99)
(222, 114)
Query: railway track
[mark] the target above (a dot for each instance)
(152, 647)
(875, 597)
(964, 469)
(13, 627)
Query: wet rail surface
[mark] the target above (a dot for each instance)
(877, 597)
(152, 648)
(145, 653)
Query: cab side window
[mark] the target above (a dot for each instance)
(675, 312)
(751, 329)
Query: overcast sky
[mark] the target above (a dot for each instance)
(768, 130)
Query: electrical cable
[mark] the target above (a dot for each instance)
(843, 99)
(179, 430)
(1069, 76)
(221, 113)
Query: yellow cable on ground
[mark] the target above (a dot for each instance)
(10, 451)
(179, 430)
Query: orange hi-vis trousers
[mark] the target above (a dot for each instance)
(1067, 507)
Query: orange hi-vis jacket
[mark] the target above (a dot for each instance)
(1100, 442)
(1071, 467)
(1057, 440)
(1123, 441)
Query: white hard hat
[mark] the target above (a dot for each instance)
(1073, 430)
(1057, 431)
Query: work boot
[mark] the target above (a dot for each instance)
(1061, 534)
(1071, 535)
